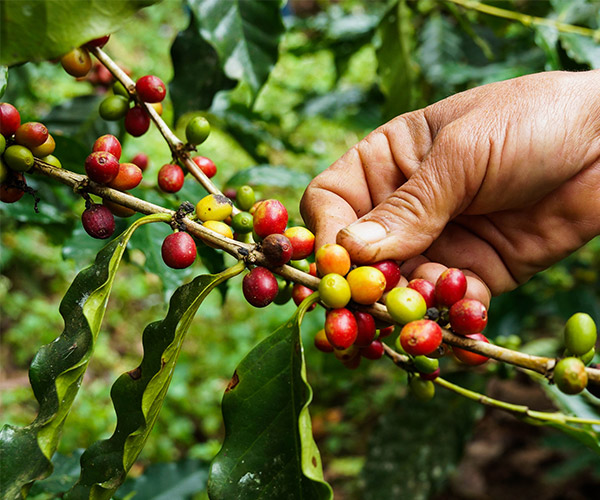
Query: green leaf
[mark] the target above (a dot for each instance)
(440, 44)
(138, 394)
(197, 73)
(66, 471)
(395, 68)
(245, 34)
(416, 446)
(267, 175)
(167, 481)
(269, 451)
(582, 49)
(57, 370)
(3, 79)
(35, 30)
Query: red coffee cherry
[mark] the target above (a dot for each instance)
(341, 328)
(170, 178)
(31, 134)
(366, 330)
(108, 143)
(137, 121)
(260, 287)
(128, 177)
(468, 316)
(321, 342)
(391, 271)
(468, 357)
(302, 240)
(101, 167)
(299, 293)
(269, 217)
(98, 221)
(178, 250)
(10, 119)
(373, 351)
(98, 42)
(386, 332)
(425, 288)
(141, 160)
(206, 165)
(150, 88)
(420, 337)
(430, 376)
(450, 287)
(277, 249)
(9, 192)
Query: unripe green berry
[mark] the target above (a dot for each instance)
(334, 291)
(424, 364)
(405, 305)
(245, 197)
(422, 389)
(580, 334)
(52, 160)
(242, 223)
(18, 158)
(570, 375)
(113, 108)
(2, 144)
(197, 130)
(302, 265)
(586, 358)
(119, 89)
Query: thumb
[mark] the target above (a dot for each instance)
(410, 219)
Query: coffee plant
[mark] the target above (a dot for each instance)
(74, 175)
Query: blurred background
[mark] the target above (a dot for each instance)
(341, 69)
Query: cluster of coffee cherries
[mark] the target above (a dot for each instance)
(20, 144)
(580, 336)
(103, 167)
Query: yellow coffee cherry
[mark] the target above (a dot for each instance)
(366, 284)
(219, 227)
(334, 291)
(214, 207)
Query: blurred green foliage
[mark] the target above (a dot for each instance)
(330, 86)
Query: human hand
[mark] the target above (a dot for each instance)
(501, 181)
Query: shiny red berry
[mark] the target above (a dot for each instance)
(98, 42)
(468, 316)
(260, 287)
(468, 357)
(150, 88)
(141, 160)
(128, 177)
(98, 221)
(10, 192)
(366, 330)
(170, 178)
(101, 167)
(300, 292)
(391, 271)
(206, 165)
(373, 351)
(137, 121)
(10, 119)
(420, 337)
(341, 328)
(178, 250)
(270, 217)
(425, 288)
(108, 143)
(450, 287)
(31, 134)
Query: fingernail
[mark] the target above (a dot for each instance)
(369, 232)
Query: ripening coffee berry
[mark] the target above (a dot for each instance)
(150, 88)
(386, 332)
(214, 207)
(242, 223)
(423, 390)
(2, 144)
(321, 342)
(312, 269)
(366, 330)
(580, 334)
(178, 250)
(391, 271)
(302, 240)
(426, 365)
(334, 291)
(108, 143)
(570, 375)
(425, 288)
(277, 249)
(420, 337)
(430, 376)
(197, 130)
(101, 167)
(98, 221)
(373, 351)
(45, 149)
(10, 119)
(405, 305)
(206, 165)
(119, 89)
(450, 287)
(137, 121)
(300, 292)
(468, 357)
(346, 355)
(128, 177)
(31, 134)
(77, 62)
(468, 316)
(113, 108)
(260, 287)
(170, 178)
(10, 192)
(218, 227)
(18, 158)
(270, 217)
(332, 258)
(285, 292)
(141, 160)
(366, 284)
(52, 160)
(117, 209)
(98, 42)
(245, 197)
(341, 328)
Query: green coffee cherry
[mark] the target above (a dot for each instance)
(113, 108)
(405, 305)
(52, 160)
(334, 291)
(422, 389)
(301, 265)
(197, 130)
(3, 170)
(580, 334)
(245, 197)
(586, 358)
(424, 364)
(242, 223)
(2, 144)
(398, 345)
(570, 375)
(214, 207)
(119, 89)
(18, 158)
